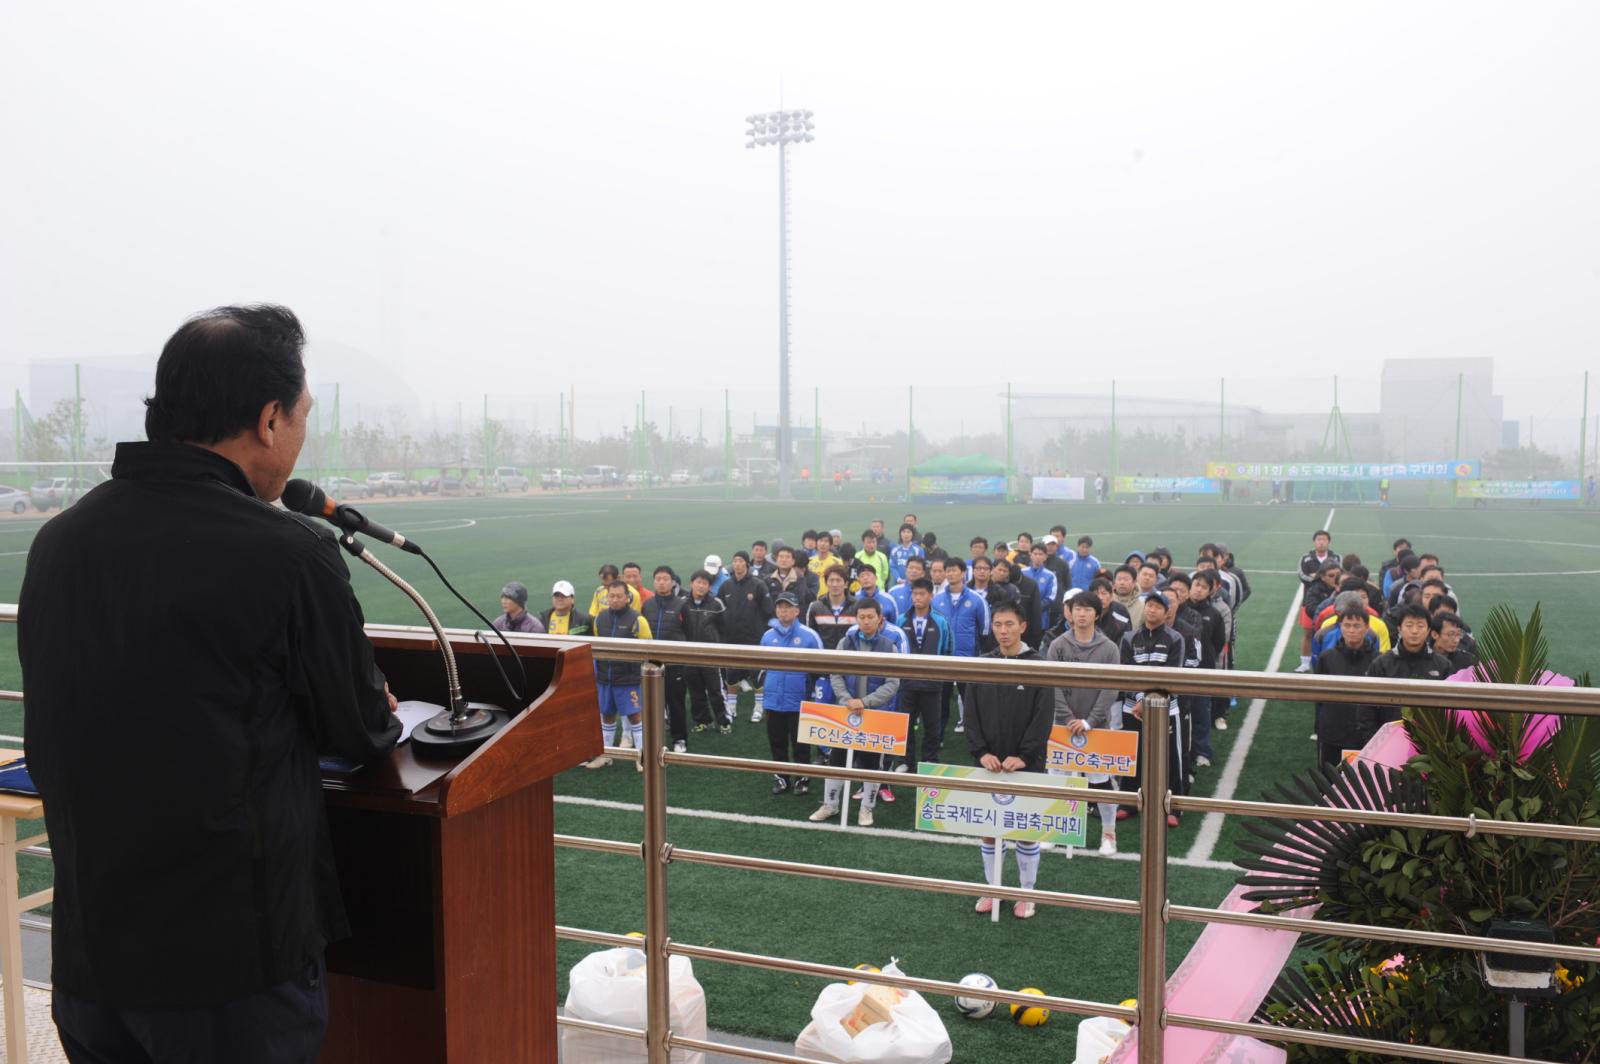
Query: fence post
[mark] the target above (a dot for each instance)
(1155, 731)
(658, 992)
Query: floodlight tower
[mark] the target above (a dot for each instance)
(782, 128)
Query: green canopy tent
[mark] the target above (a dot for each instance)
(967, 478)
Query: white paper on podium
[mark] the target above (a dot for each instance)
(412, 714)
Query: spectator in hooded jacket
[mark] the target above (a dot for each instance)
(746, 609)
(784, 691)
(514, 616)
(712, 567)
(703, 624)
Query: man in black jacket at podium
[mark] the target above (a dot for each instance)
(175, 740)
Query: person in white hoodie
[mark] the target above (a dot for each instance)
(1082, 708)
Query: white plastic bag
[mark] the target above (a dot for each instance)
(914, 1034)
(607, 986)
(1098, 1037)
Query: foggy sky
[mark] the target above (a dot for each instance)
(516, 197)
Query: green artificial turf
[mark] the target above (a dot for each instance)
(539, 538)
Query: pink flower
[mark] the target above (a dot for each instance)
(1540, 727)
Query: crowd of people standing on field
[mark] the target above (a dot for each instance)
(1023, 597)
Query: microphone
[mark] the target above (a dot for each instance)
(304, 497)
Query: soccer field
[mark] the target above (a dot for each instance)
(1518, 557)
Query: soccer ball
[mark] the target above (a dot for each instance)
(976, 1008)
(1029, 1015)
(864, 968)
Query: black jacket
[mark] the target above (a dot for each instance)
(179, 772)
(935, 640)
(802, 584)
(1009, 719)
(1213, 634)
(830, 628)
(1244, 585)
(580, 623)
(703, 620)
(746, 609)
(665, 614)
(1343, 724)
(1028, 590)
(1398, 664)
(1163, 648)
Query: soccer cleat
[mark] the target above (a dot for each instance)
(780, 784)
(600, 762)
(726, 729)
(757, 714)
(1108, 843)
(702, 728)
(1302, 667)
(865, 819)
(1126, 812)
(1172, 820)
(1220, 724)
(1202, 761)
(744, 685)
(902, 767)
(985, 906)
(680, 747)
(825, 812)
(638, 766)
(1313, 736)
(960, 727)
(886, 794)
(1022, 910)
(802, 785)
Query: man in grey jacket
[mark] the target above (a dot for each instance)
(1080, 708)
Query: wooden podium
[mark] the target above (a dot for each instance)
(448, 867)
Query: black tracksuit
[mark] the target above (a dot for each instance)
(1009, 719)
(1163, 647)
(747, 607)
(665, 616)
(703, 624)
(1400, 664)
(924, 700)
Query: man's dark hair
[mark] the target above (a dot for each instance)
(1207, 549)
(608, 572)
(785, 549)
(1401, 542)
(1446, 602)
(1150, 565)
(1407, 560)
(700, 574)
(1097, 583)
(1444, 617)
(1059, 531)
(908, 528)
(1428, 558)
(220, 368)
(1085, 541)
(1440, 584)
(868, 534)
(1409, 610)
(865, 603)
(841, 571)
(809, 533)
(984, 561)
(1322, 532)
(1013, 608)
(1178, 576)
(975, 540)
(1085, 600)
(1361, 572)
(1355, 612)
(759, 543)
(1352, 583)
(665, 569)
(929, 540)
(742, 554)
(922, 583)
(631, 565)
(1125, 568)
(820, 536)
(1206, 577)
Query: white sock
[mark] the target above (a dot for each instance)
(608, 732)
(1108, 817)
(987, 850)
(636, 732)
(869, 796)
(1028, 864)
(1305, 659)
(831, 793)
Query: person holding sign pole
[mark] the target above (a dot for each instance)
(1008, 730)
(1080, 708)
(870, 634)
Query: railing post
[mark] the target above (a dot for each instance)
(658, 991)
(1154, 768)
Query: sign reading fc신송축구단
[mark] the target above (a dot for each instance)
(1006, 816)
(874, 731)
(1098, 751)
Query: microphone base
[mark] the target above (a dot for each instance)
(440, 738)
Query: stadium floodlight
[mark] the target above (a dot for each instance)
(782, 128)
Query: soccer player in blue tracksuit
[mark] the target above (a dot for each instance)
(784, 691)
(870, 634)
(1045, 577)
(901, 552)
(1084, 565)
(900, 594)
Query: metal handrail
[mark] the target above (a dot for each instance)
(1153, 908)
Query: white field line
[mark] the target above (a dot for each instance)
(1205, 840)
(854, 829)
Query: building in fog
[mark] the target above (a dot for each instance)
(1418, 408)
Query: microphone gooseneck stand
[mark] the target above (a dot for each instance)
(463, 726)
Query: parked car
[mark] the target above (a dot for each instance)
(601, 476)
(642, 478)
(449, 483)
(510, 478)
(558, 478)
(391, 484)
(48, 494)
(344, 488)
(680, 476)
(13, 499)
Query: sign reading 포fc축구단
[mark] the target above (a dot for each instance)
(1005, 816)
(873, 731)
(1098, 751)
